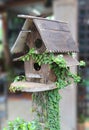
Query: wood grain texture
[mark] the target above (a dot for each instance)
(33, 87)
(21, 39)
(55, 35)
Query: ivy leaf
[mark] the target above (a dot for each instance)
(82, 63)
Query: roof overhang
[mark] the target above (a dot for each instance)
(56, 35)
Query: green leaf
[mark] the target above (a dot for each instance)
(82, 63)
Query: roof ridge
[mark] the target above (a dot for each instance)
(40, 18)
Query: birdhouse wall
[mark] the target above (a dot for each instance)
(35, 41)
(36, 73)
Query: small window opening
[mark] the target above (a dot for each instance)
(38, 43)
(37, 67)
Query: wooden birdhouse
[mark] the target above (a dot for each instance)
(44, 35)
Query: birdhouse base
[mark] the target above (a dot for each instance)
(33, 87)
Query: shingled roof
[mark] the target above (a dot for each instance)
(55, 35)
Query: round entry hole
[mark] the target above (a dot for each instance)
(37, 67)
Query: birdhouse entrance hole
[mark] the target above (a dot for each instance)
(38, 43)
(37, 67)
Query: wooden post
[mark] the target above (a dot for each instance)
(43, 107)
(39, 107)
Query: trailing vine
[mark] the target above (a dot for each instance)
(17, 88)
(57, 64)
(50, 106)
(53, 112)
(49, 109)
(20, 124)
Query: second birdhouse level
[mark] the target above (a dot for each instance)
(44, 35)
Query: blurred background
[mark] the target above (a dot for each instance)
(75, 99)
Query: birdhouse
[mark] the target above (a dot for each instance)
(44, 35)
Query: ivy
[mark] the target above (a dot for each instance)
(17, 88)
(53, 112)
(57, 64)
(20, 78)
(49, 101)
(82, 63)
(20, 124)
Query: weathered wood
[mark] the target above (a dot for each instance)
(63, 41)
(44, 109)
(35, 36)
(33, 17)
(39, 108)
(33, 87)
(21, 39)
(54, 37)
(50, 32)
(51, 25)
(46, 35)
